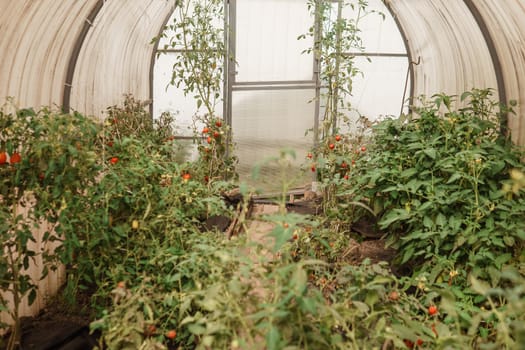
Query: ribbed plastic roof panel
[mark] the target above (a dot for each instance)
(36, 42)
(116, 55)
(445, 39)
(505, 21)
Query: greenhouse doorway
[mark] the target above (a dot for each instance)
(270, 88)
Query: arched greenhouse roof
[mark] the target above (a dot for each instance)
(87, 54)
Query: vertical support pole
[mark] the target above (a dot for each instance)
(317, 72)
(338, 53)
(229, 65)
(317, 78)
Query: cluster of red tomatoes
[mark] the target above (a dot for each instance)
(213, 131)
(13, 159)
(343, 166)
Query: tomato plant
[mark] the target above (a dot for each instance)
(43, 183)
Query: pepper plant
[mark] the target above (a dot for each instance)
(435, 179)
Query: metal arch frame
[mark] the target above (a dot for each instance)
(496, 62)
(153, 60)
(411, 62)
(71, 66)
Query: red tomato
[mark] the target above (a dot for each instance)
(394, 295)
(363, 148)
(15, 158)
(409, 344)
(186, 177)
(171, 334)
(337, 137)
(151, 330)
(432, 310)
(419, 342)
(309, 156)
(3, 158)
(208, 139)
(114, 160)
(218, 123)
(216, 134)
(205, 130)
(331, 146)
(313, 168)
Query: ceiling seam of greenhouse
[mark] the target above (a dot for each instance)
(496, 62)
(408, 50)
(75, 53)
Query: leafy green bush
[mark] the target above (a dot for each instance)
(436, 180)
(47, 160)
(144, 195)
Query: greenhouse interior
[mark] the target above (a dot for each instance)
(262, 174)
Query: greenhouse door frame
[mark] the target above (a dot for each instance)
(230, 72)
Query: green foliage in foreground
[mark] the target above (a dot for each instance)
(132, 234)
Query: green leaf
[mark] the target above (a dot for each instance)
(427, 222)
(502, 259)
(431, 152)
(361, 306)
(441, 220)
(454, 177)
(273, 339)
(479, 286)
(32, 296)
(409, 253)
(196, 329)
(393, 216)
(408, 172)
(509, 241)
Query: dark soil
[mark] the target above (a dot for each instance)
(59, 326)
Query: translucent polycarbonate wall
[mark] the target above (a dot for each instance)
(81, 54)
(449, 45)
(116, 55)
(37, 40)
(266, 47)
(504, 24)
(274, 83)
(384, 86)
(88, 54)
(169, 96)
